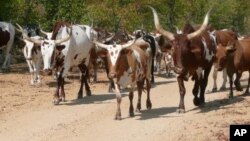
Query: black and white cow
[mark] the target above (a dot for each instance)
(7, 33)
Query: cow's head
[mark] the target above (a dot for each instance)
(30, 47)
(222, 54)
(48, 35)
(114, 52)
(180, 42)
(49, 46)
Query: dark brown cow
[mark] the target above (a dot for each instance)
(128, 66)
(222, 37)
(193, 54)
(236, 59)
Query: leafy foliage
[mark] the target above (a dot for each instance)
(132, 14)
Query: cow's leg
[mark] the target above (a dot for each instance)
(182, 90)
(139, 89)
(237, 81)
(84, 75)
(38, 68)
(119, 100)
(148, 102)
(195, 92)
(31, 72)
(231, 85)
(59, 84)
(223, 87)
(215, 72)
(111, 82)
(247, 89)
(204, 85)
(87, 88)
(62, 93)
(6, 63)
(80, 92)
(131, 96)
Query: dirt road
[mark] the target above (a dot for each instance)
(27, 112)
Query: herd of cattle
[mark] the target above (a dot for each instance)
(129, 58)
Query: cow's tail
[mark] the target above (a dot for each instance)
(149, 39)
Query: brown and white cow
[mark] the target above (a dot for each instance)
(236, 59)
(222, 37)
(128, 65)
(7, 33)
(193, 54)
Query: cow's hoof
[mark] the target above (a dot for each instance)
(196, 101)
(238, 88)
(79, 97)
(118, 118)
(214, 90)
(180, 111)
(246, 93)
(149, 105)
(230, 96)
(138, 110)
(222, 88)
(110, 90)
(131, 114)
(88, 93)
(56, 102)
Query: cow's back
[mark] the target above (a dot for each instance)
(7, 33)
(242, 55)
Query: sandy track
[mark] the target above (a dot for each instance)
(27, 113)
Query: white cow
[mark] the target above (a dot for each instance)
(7, 33)
(70, 48)
(33, 56)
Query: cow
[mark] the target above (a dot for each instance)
(128, 65)
(7, 34)
(222, 37)
(153, 47)
(31, 52)
(193, 54)
(69, 46)
(235, 57)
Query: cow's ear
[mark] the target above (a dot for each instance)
(231, 47)
(60, 47)
(20, 44)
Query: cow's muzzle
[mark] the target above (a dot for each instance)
(112, 75)
(219, 68)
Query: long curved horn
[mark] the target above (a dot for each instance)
(64, 39)
(201, 29)
(20, 28)
(101, 45)
(158, 27)
(35, 41)
(109, 38)
(42, 31)
(129, 44)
